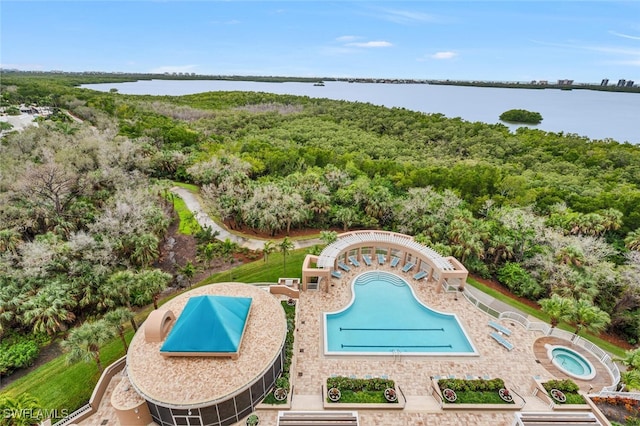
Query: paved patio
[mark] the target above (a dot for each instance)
(311, 367)
(411, 373)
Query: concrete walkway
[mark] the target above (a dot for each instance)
(193, 204)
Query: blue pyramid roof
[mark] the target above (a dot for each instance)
(209, 324)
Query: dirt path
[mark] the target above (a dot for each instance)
(193, 204)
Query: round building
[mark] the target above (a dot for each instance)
(207, 357)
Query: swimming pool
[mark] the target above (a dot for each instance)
(571, 362)
(385, 318)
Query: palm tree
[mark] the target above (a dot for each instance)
(570, 255)
(587, 315)
(269, 247)
(345, 216)
(228, 248)
(19, 410)
(117, 291)
(631, 379)
(145, 249)
(328, 237)
(285, 247)
(116, 318)
(50, 310)
(558, 308)
(9, 241)
(631, 359)
(209, 251)
(632, 240)
(84, 342)
(147, 285)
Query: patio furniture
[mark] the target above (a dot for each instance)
(420, 275)
(367, 259)
(498, 327)
(395, 261)
(504, 342)
(354, 261)
(336, 274)
(408, 267)
(381, 259)
(344, 267)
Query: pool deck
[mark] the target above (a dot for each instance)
(311, 367)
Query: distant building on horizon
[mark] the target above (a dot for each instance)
(565, 82)
(604, 82)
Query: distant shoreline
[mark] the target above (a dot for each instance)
(105, 77)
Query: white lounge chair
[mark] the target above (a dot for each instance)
(420, 275)
(336, 274)
(408, 267)
(344, 267)
(354, 261)
(504, 342)
(381, 259)
(395, 261)
(367, 259)
(499, 327)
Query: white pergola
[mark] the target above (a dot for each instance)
(391, 244)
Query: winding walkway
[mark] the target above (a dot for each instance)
(193, 204)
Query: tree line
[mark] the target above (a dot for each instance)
(544, 213)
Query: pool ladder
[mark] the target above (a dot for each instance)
(397, 355)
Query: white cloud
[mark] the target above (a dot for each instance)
(347, 38)
(371, 44)
(173, 68)
(444, 55)
(624, 35)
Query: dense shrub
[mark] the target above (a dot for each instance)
(17, 352)
(519, 281)
(359, 385)
(461, 385)
(566, 386)
(521, 116)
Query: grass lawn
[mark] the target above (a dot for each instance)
(59, 386)
(263, 272)
(477, 397)
(188, 223)
(188, 186)
(603, 344)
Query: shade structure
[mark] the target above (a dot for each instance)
(209, 326)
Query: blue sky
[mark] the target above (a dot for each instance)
(495, 40)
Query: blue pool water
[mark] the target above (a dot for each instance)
(385, 317)
(572, 363)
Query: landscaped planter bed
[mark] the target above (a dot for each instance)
(279, 397)
(564, 394)
(618, 409)
(458, 394)
(349, 393)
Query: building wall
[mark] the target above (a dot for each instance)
(225, 412)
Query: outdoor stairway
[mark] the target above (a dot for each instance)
(318, 418)
(553, 419)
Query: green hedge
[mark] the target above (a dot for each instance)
(461, 385)
(360, 391)
(17, 352)
(359, 385)
(568, 387)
